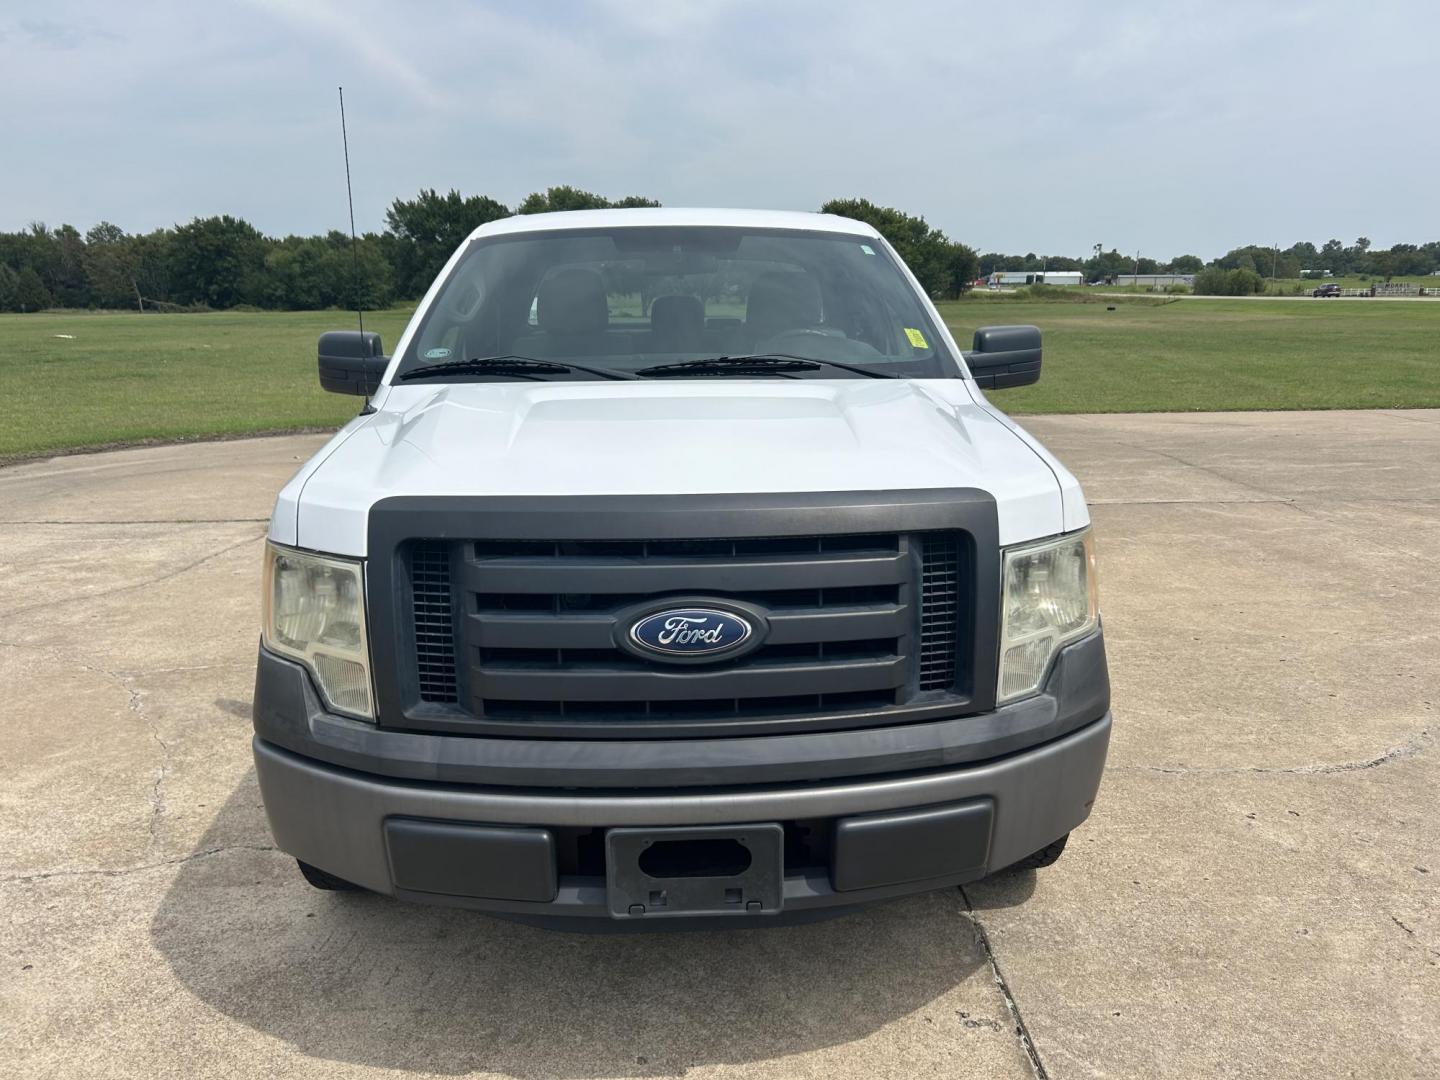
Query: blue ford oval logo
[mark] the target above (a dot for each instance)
(696, 632)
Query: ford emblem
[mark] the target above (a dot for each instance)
(692, 632)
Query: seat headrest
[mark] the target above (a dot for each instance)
(782, 300)
(572, 302)
(677, 318)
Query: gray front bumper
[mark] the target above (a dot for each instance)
(334, 818)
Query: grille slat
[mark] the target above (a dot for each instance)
(500, 661)
(601, 711)
(658, 549)
(502, 629)
(618, 683)
(590, 575)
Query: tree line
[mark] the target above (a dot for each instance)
(225, 262)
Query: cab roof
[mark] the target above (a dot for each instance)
(660, 217)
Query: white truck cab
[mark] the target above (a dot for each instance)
(677, 567)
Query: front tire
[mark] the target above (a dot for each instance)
(323, 881)
(1046, 856)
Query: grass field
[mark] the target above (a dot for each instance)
(1159, 356)
(129, 378)
(82, 379)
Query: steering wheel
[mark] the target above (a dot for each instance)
(799, 334)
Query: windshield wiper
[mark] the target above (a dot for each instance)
(756, 364)
(524, 367)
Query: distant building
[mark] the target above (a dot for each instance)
(1036, 277)
(1154, 281)
(1316, 273)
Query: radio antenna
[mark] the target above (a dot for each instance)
(350, 197)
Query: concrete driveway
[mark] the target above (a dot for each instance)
(1254, 896)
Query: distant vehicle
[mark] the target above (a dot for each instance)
(1330, 288)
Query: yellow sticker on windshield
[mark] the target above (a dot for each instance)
(916, 338)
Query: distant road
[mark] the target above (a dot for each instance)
(1353, 299)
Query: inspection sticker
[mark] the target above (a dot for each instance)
(867, 249)
(916, 338)
(436, 354)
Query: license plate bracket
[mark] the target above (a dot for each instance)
(728, 870)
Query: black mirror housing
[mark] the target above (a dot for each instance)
(352, 362)
(1005, 356)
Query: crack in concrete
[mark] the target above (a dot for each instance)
(136, 673)
(168, 575)
(124, 673)
(1409, 748)
(136, 704)
(1277, 501)
(1206, 469)
(1391, 414)
(122, 871)
(1191, 502)
(1402, 926)
(138, 521)
(1022, 1033)
(162, 770)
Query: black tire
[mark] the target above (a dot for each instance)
(1044, 857)
(323, 881)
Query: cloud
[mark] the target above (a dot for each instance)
(1168, 127)
(50, 34)
(355, 32)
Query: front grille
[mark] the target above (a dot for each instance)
(525, 632)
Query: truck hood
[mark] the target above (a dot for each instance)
(692, 437)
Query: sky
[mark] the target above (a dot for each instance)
(1162, 128)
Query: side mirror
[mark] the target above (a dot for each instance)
(351, 362)
(1005, 356)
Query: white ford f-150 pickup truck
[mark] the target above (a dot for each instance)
(677, 567)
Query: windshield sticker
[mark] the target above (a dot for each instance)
(867, 249)
(916, 338)
(436, 354)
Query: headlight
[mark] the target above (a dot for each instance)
(314, 611)
(1049, 599)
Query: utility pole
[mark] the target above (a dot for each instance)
(1275, 263)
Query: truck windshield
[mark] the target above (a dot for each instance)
(630, 298)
